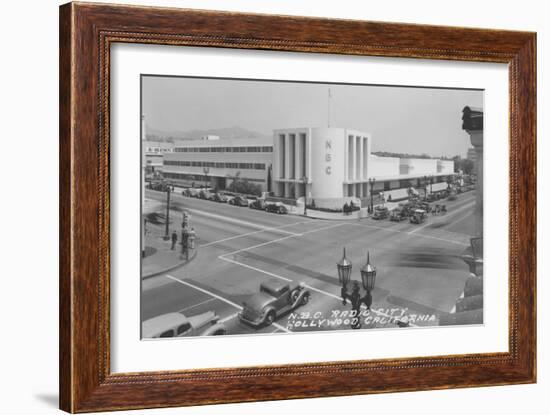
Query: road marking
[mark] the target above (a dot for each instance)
(307, 286)
(258, 245)
(278, 228)
(282, 239)
(466, 206)
(254, 268)
(237, 221)
(196, 305)
(225, 300)
(421, 235)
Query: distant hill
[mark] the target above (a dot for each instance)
(223, 133)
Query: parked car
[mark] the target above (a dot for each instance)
(276, 208)
(238, 201)
(191, 192)
(380, 212)
(452, 196)
(160, 186)
(220, 198)
(399, 214)
(418, 216)
(257, 204)
(178, 325)
(206, 194)
(274, 299)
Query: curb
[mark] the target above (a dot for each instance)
(171, 268)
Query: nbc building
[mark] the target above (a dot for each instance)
(329, 165)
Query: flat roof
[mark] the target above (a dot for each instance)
(226, 142)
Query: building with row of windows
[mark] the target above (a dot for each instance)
(154, 152)
(329, 165)
(219, 162)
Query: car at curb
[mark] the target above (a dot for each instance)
(274, 299)
(399, 214)
(178, 325)
(257, 204)
(238, 201)
(276, 208)
(220, 198)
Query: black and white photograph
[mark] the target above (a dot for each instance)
(275, 207)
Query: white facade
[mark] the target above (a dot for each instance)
(154, 152)
(333, 165)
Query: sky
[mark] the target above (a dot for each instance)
(400, 119)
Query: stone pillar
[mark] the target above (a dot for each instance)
(297, 157)
(286, 155)
(354, 158)
(360, 175)
(473, 124)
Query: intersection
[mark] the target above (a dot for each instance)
(420, 273)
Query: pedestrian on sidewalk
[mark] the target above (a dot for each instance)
(174, 240)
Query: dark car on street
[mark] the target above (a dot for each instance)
(274, 299)
(276, 208)
(220, 198)
(257, 204)
(418, 216)
(399, 214)
(238, 201)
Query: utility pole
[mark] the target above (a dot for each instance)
(167, 229)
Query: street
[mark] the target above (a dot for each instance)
(419, 271)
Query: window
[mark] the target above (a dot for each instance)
(167, 333)
(183, 328)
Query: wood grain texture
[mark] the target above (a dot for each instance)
(86, 33)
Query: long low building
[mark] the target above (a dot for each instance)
(219, 162)
(328, 165)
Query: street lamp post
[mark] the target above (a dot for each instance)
(188, 237)
(184, 234)
(167, 227)
(371, 182)
(368, 279)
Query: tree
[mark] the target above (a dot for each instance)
(239, 185)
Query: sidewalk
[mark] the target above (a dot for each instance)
(159, 258)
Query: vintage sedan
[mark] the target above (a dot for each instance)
(274, 299)
(399, 214)
(418, 216)
(276, 208)
(220, 198)
(238, 201)
(178, 325)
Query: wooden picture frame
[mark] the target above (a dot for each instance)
(86, 33)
